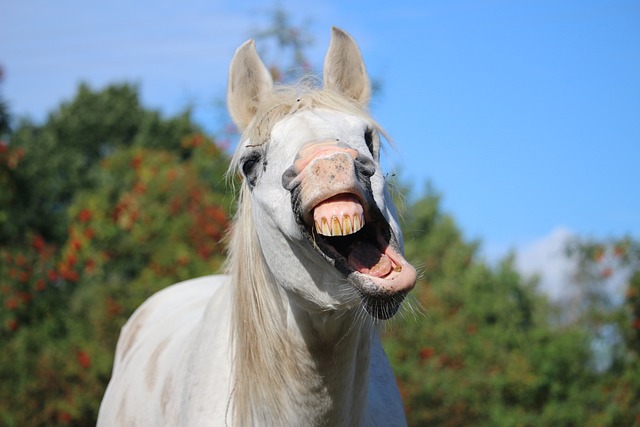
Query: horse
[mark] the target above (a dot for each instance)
(288, 336)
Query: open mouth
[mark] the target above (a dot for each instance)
(359, 242)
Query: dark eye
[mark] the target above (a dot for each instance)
(249, 167)
(368, 139)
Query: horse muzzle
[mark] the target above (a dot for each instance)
(333, 202)
(332, 181)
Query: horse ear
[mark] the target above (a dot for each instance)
(344, 69)
(248, 80)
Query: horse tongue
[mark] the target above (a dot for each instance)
(367, 259)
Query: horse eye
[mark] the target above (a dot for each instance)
(248, 166)
(368, 139)
(249, 163)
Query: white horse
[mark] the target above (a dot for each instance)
(288, 337)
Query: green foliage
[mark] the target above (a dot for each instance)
(59, 156)
(615, 326)
(5, 118)
(487, 351)
(149, 211)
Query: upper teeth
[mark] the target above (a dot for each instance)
(339, 215)
(335, 227)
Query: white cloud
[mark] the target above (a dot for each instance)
(546, 258)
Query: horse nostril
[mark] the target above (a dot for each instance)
(289, 178)
(365, 165)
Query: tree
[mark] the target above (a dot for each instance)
(4, 111)
(58, 158)
(148, 211)
(286, 43)
(613, 324)
(486, 352)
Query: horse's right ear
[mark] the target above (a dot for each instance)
(248, 80)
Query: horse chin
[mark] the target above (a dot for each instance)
(382, 308)
(371, 261)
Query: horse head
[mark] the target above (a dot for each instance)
(312, 181)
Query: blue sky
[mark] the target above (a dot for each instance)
(525, 115)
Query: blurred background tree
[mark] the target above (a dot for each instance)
(61, 155)
(105, 203)
(108, 201)
(490, 351)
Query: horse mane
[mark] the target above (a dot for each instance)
(265, 357)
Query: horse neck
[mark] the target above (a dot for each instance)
(290, 366)
(339, 347)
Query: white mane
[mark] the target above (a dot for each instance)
(265, 359)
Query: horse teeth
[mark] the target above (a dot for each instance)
(336, 229)
(357, 224)
(325, 228)
(346, 225)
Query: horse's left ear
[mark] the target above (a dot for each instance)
(344, 69)
(249, 79)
